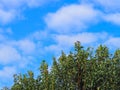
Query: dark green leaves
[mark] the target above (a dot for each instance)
(82, 69)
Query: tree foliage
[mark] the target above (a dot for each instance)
(82, 69)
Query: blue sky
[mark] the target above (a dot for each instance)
(33, 30)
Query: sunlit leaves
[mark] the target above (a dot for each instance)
(82, 69)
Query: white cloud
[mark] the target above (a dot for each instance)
(70, 39)
(113, 18)
(72, 18)
(36, 3)
(16, 54)
(2, 38)
(106, 5)
(113, 42)
(16, 51)
(15, 4)
(110, 9)
(27, 46)
(9, 31)
(7, 72)
(18, 4)
(5, 31)
(65, 42)
(84, 38)
(110, 5)
(12, 9)
(39, 35)
(33, 3)
(4, 34)
(8, 4)
(8, 54)
(7, 16)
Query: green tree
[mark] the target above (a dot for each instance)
(81, 69)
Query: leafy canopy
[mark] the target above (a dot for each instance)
(82, 69)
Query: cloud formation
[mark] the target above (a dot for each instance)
(110, 9)
(71, 18)
(15, 55)
(5, 74)
(66, 42)
(11, 10)
(113, 18)
(113, 42)
(7, 16)
(109, 5)
(105, 5)
(8, 54)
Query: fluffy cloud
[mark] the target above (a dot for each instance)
(6, 74)
(27, 46)
(65, 42)
(8, 54)
(70, 39)
(10, 4)
(15, 4)
(113, 42)
(12, 9)
(17, 50)
(7, 16)
(72, 18)
(110, 9)
(109, 5)
(106, 5)
(15, 54)
(2, 38)
(113, 18)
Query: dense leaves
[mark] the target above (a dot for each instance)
(82, 69)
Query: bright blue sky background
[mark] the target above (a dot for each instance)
(33, 30)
